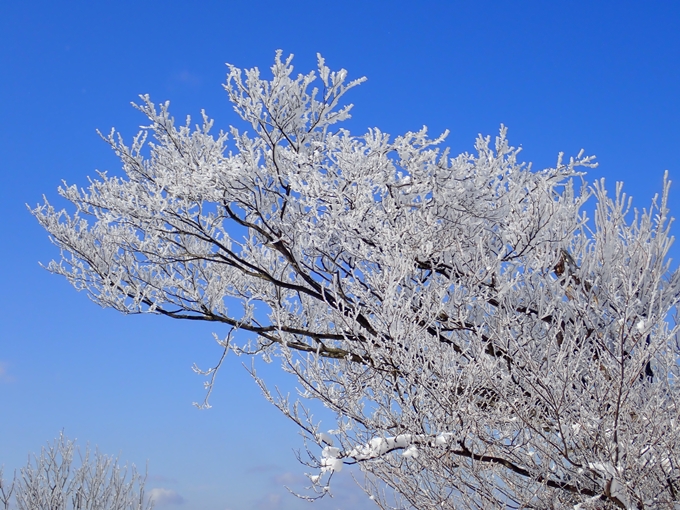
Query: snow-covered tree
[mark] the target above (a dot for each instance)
(481, 341)
(56, 480)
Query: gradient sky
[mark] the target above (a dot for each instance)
(603, 76)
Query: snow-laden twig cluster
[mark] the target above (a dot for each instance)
(481, 342)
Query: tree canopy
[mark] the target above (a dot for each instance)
(481, 341)
(55, 480)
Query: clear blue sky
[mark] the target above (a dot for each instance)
(603, 76)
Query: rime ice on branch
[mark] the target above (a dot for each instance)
(62, 478)
(481, 342)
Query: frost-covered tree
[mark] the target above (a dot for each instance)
(481, 342)
(55, 480)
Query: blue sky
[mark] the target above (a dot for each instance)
(603, 76)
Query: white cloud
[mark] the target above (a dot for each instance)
(161, 479)
(289, 478)
(270, 501)
(165, 497)
(188, 77)
(4, 373)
